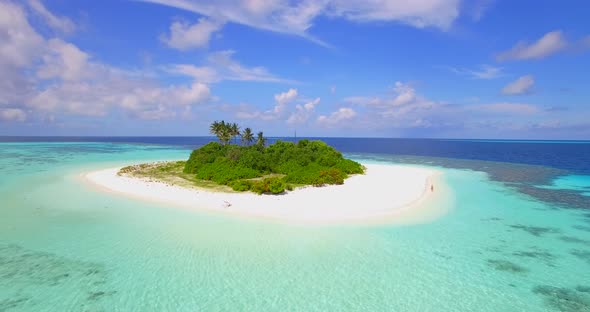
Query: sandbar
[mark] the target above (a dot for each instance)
(384, 194)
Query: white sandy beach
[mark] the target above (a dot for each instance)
(385, 193)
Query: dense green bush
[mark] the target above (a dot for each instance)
(223, 171)
(241, 185)
(332, 176)
(272, 185)
(276, 185)
(304, 163)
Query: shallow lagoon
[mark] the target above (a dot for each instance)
(506, 245)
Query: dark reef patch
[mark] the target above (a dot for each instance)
(13, 303)
(575, 240)
(492, 219)
(99, 294)
(507, 266)
(581, 288)
(581, 254)
(536, 230)
(537, 253)
(564, 299)
(582, 228)
(25, 271)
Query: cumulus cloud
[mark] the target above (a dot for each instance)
(303, 112)
(184, 36)
(405, 100)
(406, 110)
(45, 76)
(337, 117)
(65, 61)
(281, 101)
(12, 114)
(522, 85)
(222, 66)
(551, 43)
(20, 42)
(297, 17)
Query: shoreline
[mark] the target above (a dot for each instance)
(385, 194)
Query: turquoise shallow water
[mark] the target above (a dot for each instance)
(67, 247)
(579, 183)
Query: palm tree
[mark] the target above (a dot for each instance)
(261, 140)
(215, 129)
(222, 130)
(225, 133)
(247, 136)
(234, 130)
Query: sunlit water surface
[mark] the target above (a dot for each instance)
(515, 240)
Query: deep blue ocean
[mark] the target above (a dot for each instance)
(573, 156)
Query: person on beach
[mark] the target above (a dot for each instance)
(432, 187)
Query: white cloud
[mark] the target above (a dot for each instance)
(283, 99)
(49, 76)
(404, 101)
(184, 36)
(233, 70)
(550, 43)
(336, 118)
(20, 42)
(522, 85)
(484, 72)
(12, 114)
(297, 17)
(221, 66)
(420, 14)
(65, 61)
(62, 24)
(303, 112)
(204, 74)
(404, 108)
(278, 111)
(98, 98)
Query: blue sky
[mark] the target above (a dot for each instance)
(374, 68)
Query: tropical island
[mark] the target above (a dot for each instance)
(253, 166)
(237, 173)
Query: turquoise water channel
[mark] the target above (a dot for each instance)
(65, 246)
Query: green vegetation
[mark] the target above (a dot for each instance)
(251, 166)
(267, 169)
(171, 173)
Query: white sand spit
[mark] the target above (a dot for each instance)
(385, 193)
